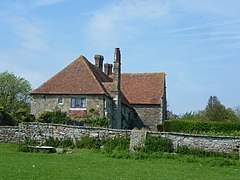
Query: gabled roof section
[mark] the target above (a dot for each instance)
(109, 87)
(143, 88)
(79, 77)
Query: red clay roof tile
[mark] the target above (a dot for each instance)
(143, 88)
(80, 77)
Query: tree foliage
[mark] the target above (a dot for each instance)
(214, 111)
(14, 92)
(94, 119)
(14, 99)
(5, 118)
(54, 117)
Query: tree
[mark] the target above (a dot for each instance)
(215, 111)
(14, 92)
(5, 118)
(237, 110)
(171, 115)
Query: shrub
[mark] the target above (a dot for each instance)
(54, 117)
(5, 118)
(89, 142)
(51, 142)
(157, 144)
(94, 119)
(22, 115)
(188, 126)
(66, 143)
(117, 144)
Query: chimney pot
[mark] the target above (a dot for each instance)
(117, 64)
(108, 69)
(99, 61)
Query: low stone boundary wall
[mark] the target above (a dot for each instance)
(225, 144)
(43, 131)
(9, 134)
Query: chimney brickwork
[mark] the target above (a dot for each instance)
(117, 88)
(108, 69)
(99, 61)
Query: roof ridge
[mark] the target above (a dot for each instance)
(100, 83)
(49, 80)
(144, 73)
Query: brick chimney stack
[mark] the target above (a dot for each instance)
(117, 64)
(117, 82)
(108, 69)
(99, 61)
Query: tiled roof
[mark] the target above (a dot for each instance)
(80, 77)
(110, 88)
(143, 88)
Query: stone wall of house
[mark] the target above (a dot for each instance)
(150, 115)
(42, 103)
(126, 116)
(109, 110)
(41, 131)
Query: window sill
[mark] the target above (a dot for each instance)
(75, 109)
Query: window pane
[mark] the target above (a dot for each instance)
(73, 103)
(60, 100)
(78, 103)
(83, 105)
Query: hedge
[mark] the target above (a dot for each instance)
(188, 126)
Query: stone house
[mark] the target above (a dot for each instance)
(128, 100)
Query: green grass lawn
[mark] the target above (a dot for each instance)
(86, 164)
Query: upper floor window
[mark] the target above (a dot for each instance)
(78, 102)
(60, 100)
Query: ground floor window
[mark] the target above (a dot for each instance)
(78, 102)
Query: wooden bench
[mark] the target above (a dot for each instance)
(48, 149)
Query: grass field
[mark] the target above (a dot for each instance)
(86, 164)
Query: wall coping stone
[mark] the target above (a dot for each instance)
(72, 126)
(194, 135)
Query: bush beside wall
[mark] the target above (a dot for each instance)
(188, 126)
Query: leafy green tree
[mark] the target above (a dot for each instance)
(215, 111)
(171, 115)
(5, 118)
(199, 115)
(14, 92)
(237, 110)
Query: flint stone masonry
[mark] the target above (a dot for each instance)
(9, 134)
(151, 115)
(43, 131)
(226, 144)
(137, 139)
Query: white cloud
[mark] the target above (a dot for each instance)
(123, 19)
(31, 34)
(26, 31)
(205, 26)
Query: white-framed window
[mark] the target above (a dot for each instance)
(60, 100)
(78, 103)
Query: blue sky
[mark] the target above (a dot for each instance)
(196, 42)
